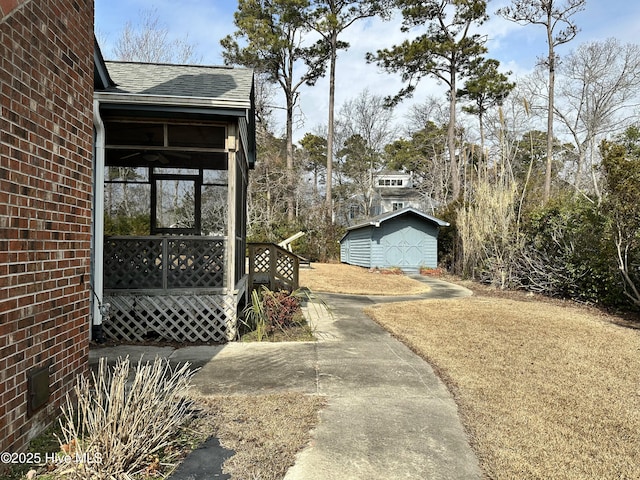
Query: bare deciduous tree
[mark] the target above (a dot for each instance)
(553, 15)
(365, 126)
(367, 115)
(150, 41)
(597, 94)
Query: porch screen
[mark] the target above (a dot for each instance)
(175, 204)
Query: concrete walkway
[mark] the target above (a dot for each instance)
(388, 415)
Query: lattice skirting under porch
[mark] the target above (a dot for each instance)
(181, 318)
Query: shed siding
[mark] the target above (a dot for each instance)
(405, 242)
(407, 239)
(356, 247)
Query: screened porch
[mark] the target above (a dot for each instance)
(174, 231)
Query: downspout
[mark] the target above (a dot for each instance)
(98, 225)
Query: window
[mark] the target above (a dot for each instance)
(165, 177)
(134, 133)
(390, 182)
(397, 206)
(161, 200)
(127, 195)
(145, 134)
(175, 204)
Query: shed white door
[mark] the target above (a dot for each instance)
(403, 247)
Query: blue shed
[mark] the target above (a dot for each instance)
(406, 238)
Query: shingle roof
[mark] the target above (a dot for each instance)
(229, 84)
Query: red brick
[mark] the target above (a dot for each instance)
(46, 59)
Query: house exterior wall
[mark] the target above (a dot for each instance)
(46, 132)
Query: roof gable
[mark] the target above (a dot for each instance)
(377, 221)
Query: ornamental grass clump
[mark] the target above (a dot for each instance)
(121, 422)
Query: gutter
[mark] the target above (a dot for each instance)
(135, 98)
(98, 222)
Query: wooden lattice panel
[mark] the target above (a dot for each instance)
(272, 266)
(149, 263)
(181, 318)
(133, 263)
(261, 259)
(195, 263)
(285, 267)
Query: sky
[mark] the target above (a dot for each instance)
(517, 47)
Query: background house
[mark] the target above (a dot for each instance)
(46, 142)
(406, 238)
(395, 190)
(390, 191)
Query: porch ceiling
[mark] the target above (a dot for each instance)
(182, 159)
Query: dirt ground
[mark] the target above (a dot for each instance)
(546, 388)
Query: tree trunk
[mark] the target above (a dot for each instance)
(482, 166)
(552, 79)
(330, 127)
(289, 133)
(451, 139)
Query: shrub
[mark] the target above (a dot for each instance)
(127, 224)
(281, 309)
(432, 272)
(568, 253)
(116, 426)
(273, 312)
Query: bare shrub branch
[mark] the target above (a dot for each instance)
(118, 420)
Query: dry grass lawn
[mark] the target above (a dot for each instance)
(546, 390)
(349, 279)
(265, 431)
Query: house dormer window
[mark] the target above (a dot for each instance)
(397, 206)
(390, 182)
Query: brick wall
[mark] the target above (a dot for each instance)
(46, 90)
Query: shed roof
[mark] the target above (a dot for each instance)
(377, 221)
(228, 86)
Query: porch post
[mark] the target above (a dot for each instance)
(231, 302)
(98, 215)
(231, 214)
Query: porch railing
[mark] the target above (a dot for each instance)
(272, 266)
(164, 263)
